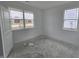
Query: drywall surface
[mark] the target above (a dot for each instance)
(53, 24)
(1, 48)
(0, 40)
(25, 34)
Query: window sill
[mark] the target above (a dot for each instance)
(22, 29)
(67, 29)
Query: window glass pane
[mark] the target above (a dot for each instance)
(70, 24)
(16, 18)
(28, 20)
(71, 18)
(16, 14)
(29, 16)
(71, 14)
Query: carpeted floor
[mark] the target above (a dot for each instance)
(44, 48)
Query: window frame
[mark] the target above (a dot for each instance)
(71, 29)
(23, 11)
(32, 19)
(19, 10)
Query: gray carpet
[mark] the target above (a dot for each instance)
(44, 48)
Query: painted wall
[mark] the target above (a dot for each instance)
(25, 34)
(53, 24)
(47, 22)
(6, 33)
(1, 51)
(0, 36)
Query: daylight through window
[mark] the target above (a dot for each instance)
(28, 20)
(71, 19)
(20, 19)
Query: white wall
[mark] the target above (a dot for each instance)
(47, 22)
(1, 42)
(21, 35)
(6, 33)
(25, 34)
(53, 24)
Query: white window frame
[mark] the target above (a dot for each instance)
(23, 17)
(71, 29)
(19, 10)
(32, 19)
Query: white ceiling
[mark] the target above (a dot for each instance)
(45, 4)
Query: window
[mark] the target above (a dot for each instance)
(20, 19)
(71, 19)
(16, 18)
(28, 19)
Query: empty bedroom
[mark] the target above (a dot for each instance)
(39, 29)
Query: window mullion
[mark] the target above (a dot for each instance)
(23, 19)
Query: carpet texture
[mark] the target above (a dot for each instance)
(44, 48)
